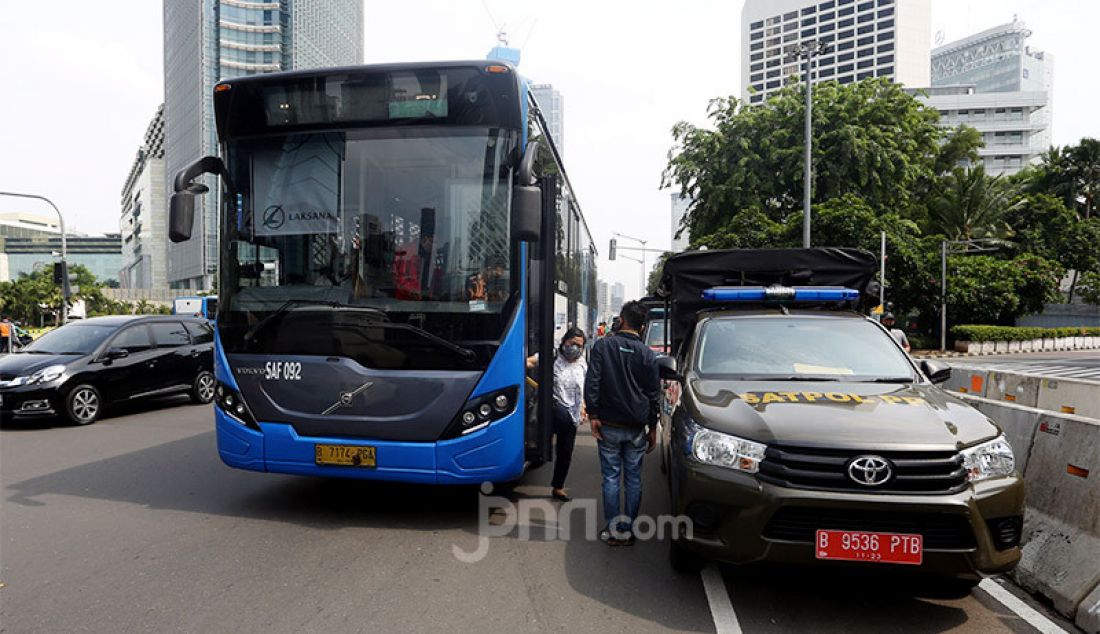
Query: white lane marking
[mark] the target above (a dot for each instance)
(1023, 610)
(721, 609)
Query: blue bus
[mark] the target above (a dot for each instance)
(205, 306)
(395, 240)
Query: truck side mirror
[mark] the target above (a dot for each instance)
(526, 217)
(181, 206)
(936, 371)
(666, 368)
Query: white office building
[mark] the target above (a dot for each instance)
(681, 235)
(865, 38)
(993, 82)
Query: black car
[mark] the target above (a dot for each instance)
(78, 369)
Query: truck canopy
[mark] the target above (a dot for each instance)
(687, 275)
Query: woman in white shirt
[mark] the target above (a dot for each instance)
(570, 368)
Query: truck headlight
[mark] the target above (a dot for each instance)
(725, 450)
(991, 459)
(45, 375)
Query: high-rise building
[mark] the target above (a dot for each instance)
(552, 104)
(206, 41)
(143, 223)
(603, 301)
(871, 38)
(994, 82)
(681, 235)
(618, 298)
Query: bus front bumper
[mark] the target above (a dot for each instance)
(493, 454)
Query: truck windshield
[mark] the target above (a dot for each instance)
(793, 348)
(412, 222)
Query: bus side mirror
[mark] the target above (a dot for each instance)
(181, 206)
(526, 213)
(181, 216)
(527, 199)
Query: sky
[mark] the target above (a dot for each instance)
(81, 80)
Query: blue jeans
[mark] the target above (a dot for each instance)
(621, 453)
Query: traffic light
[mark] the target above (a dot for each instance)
(611, 249)
(60, 272)
(63, 278)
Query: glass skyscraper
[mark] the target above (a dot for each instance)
(206, 41)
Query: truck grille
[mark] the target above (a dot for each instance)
(920, 472)
(941, 531)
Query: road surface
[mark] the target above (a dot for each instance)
(133, 524)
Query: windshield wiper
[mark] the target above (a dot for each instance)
(465, 353)
(382, 321)
(891, 379)
(291, 303)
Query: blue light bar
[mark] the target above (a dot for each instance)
(780, 293)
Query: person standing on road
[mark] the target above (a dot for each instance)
(898, 334)
(570, 369)
(621, 394)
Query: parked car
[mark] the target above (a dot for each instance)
(805, 434)
(77, 370)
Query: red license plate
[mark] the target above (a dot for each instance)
(883, 548)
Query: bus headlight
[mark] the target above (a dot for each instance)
(991, 459)
(478, 412)
(230, 402)
(725, 450)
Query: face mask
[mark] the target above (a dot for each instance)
(571, 352)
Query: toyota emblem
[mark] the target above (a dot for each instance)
(870, 471)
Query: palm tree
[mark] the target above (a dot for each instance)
(1084, 167)
(971, 205)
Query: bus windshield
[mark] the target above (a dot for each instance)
(409, 221)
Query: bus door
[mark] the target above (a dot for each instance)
(541, 267)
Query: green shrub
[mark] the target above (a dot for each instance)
(1019, 333)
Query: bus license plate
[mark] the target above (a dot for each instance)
(883, 548)
(345, 455)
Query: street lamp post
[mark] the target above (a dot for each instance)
(64, 249)
(807, 51)
(642, 261)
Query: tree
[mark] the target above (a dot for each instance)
(1090, 288)
(871, 139)
(1072, 173)
(970, 205)
(25, 297)
(983, 289)
(656, 272)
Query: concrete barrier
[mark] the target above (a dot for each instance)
(1061, 539)
(1022, 389)
(1061, 557)
(967, 380)
(1070, 396)
(1088, 614)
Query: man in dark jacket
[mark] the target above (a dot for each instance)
(621, 395)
